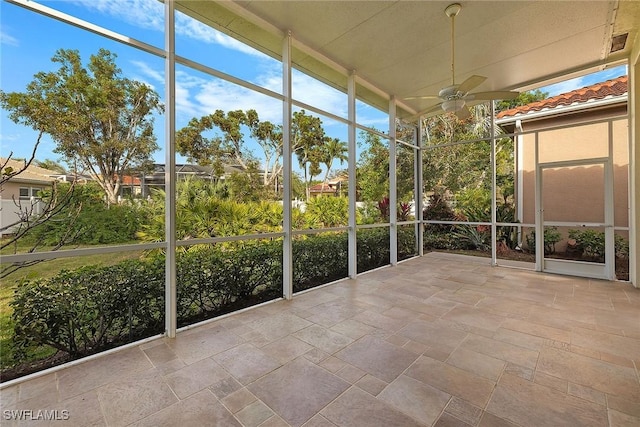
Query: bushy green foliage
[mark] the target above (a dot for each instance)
(551, 237)
(90, 309)
(372, 172)
(203, 213)
(591, 243)
(368, 213)
(211, 279)
(438, 209)
(445, 241)
(319, 259)
(327, 211)
(622, 247)
(87, 219)
(506, 212)
(474, 203)
(373, 247)
(94, 308)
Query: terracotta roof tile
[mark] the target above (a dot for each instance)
(613, 87)
(323, 187)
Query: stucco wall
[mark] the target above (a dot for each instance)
(575, 194)
(634, 110)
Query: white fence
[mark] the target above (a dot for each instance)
(12, 211)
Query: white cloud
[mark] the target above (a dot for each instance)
(313, 92)
(8, 39)
(218, 94)
(196, 30)
(9, 137)
(142, 13)
(150, 14)
(147, 75)
(147, 71)
(587, 80)
(564, 87)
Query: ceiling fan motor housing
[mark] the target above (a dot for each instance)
(450, 92)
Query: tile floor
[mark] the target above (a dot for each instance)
(437, 341)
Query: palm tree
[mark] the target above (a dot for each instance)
(333, 149)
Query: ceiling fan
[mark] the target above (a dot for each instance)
(457, 97)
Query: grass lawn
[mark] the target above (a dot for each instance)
(43, 270)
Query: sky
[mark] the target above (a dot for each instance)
(29, 40)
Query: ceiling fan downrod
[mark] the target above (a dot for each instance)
(452, 11)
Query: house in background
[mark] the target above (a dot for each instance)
(140, 185)
(333, 187)
(20, 194)
(572, 160)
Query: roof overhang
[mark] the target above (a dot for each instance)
(577, 107)
(402, 48)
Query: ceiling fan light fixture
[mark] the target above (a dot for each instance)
(453, 105)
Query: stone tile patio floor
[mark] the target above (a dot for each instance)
(436, 341)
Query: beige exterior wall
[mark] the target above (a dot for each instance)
(634, 110)
(11, 189)
(574, 194)
(11, 206)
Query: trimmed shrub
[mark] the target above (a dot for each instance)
(319, 259)
(591, 243)
(213, 281)
(90, 309)
(95, 308)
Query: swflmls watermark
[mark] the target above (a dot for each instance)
(35, 415)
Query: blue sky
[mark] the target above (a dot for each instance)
(29, 40)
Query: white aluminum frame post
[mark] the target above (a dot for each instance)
(171, 322)
(287, 248)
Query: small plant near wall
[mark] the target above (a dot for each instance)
(622, 247)
(551, 237)
(591, 244)
(383, 207)
(404, 211)
(475, 237)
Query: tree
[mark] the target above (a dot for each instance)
(97, 118)
(225, 146)
(307, 140)
(372, 172)
(405, 167)
(334, 149)
(523, 98)
(269, 137)
(51, 165)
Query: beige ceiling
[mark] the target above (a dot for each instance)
(402, 48)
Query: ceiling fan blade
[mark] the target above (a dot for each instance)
(471, 83)
(431, 111)
(496, 94)
(435, 108)
(422, 97)
(463, 113)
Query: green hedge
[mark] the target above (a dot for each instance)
(319, 259)
(94, 308)
(213, 281)
(90, 309)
